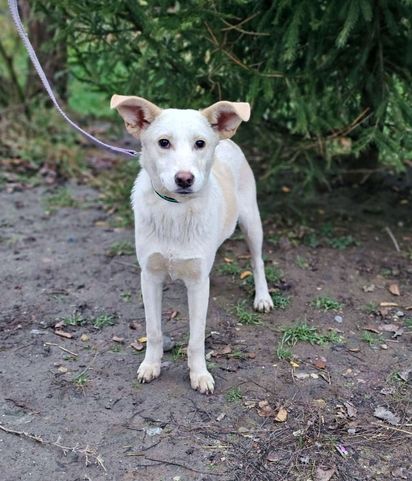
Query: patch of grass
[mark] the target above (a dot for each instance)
(229, 269)
(326, 303)
(233, 395)
(178, 352)
(342, 242)
(305, 333)
(408, 321)
(116, 348)
(284, 353)
(126, 296)
(74, 320)
(273, 274)
(280, 301)
(60, 198)
(301, 262)
(370, 338)
(104, 320)
(370, 308)
(311, 240)
(237, 354)
(245, 315)
(81, 380)
(122, 248)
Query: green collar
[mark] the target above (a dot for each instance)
(165, 197)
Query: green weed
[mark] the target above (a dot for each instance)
(342, 242)
(104, 320)
(229, 269)
(126, 296)
(74, 320)
(81, 380)
(370, 338)
(305, 333)
(284, 353)
(280, 301)
(245, 315)
(370, 308)
(122, 248)
(408, 322)
(273, 274)
(60, 198)
(178, 352)
(233, 395)
(302, 263)
(326, 303)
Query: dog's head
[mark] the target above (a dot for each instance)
(178, 145)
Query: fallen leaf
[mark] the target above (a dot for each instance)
(265, 410)
(394, 289)
(228, 260)
(118, 339)
(282, 415)
(84, 337)
(59, 325)
(245, 274)
(324, 474)
(250, 404)
(350, 409)
(388, 304)
(138, 346)
(313, 375)
(65, 334)
(319, 403)
(251, 355)
(294, 364)
(320, 363)
(62, 369)
(301, 375)
(386, 415)
(405, 375)
(142, 339)
(273, 457)
(388, 327)
(369, 288)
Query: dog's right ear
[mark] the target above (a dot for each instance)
(137, 113)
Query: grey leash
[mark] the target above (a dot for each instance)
(35, 61)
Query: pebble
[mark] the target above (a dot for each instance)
(168, 343)
(36, 332)
(153, 431)
(399, 314)
(339, 319)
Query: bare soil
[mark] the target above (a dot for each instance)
(71, 409)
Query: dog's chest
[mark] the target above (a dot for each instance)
(176, 268)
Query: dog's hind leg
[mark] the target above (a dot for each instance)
(251, 226)
(198, 298)
(152, 287)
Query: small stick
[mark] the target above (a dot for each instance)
(395, 242)
(409, 433)
(60, 347)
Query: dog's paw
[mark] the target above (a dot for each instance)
(202, 382)
(147, 372)
(263, 303)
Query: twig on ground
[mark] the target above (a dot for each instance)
(395, 242)
(87, 452)
(184, 466)
(61, 347)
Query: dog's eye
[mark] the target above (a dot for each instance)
(200, 144)
(164, 143)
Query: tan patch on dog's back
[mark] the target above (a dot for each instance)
(226, 180)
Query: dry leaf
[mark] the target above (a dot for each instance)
(62, 369)
(264, 409)
(59, 325)
(228, 260)
(294, 364)
(84, 337)
(324, 474)
(320, 363)
(251, 355)
(319, 403)
(245, 274)
(386, 415)
(301, 375)
(369, 288)
(273, 457)
(350, 409)
(142, 339)
(388, 304)
(118, 339)
(282, 415)
(65, 334)
(394, 289)
(138, 346)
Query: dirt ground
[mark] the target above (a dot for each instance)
(71, 408)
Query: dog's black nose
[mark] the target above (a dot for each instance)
(184, 179)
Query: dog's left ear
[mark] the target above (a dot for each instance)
(225, 117)
(137, 113)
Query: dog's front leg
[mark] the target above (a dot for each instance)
(198, 298)
(152, 287)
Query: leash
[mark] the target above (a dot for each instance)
(13, 7)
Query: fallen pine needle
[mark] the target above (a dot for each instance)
(393, 239)
(60, 347)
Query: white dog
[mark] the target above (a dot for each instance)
(193, 187)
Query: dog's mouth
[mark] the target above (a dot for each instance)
(185, 191)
